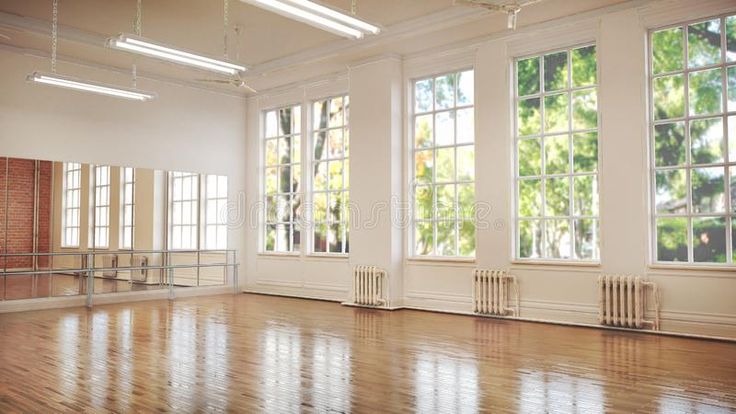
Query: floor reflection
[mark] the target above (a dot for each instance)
(182, 358)
(98, 375)
(446, 384)
(68, 373)
(558, 392)
(281, 369)
(331, 374)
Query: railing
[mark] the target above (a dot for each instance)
(164, 269)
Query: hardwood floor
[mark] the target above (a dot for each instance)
(251, 353)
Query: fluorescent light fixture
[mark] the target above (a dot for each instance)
(320, 16)
(87, 86)
(136, 44)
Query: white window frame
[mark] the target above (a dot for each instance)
(291, 194)
(215, 212)
(412, 115)
(177, 224)
(570, 174)
(101, 209)
(729, 165)
(127, 221)
(344, 189)
(71, 201)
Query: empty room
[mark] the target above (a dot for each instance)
(368, 206)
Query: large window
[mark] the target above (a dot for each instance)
(184, 210)
(102, 206)
(215, 223)
(443, 166)
(127, 203)
(693, 141)
(282, 179)
(557, 156)
(72, 184)
(330, 151)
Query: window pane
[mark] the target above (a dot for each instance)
(672, 239)
(423, 166)
(669, 144)
(444, 124)
(705, 92)
(445, 91)
(585, 152)
(558, 239)
(423, 131)
(527, 76)
(530, 198)
(336, 112)
(586, 239)
(319, 206)
(335, 175)
(424, 239)
(423, 96)
(445, 159)
(466, 88)
(671, 192)
(335, 237)
(320, 176)
(709, 239)
(732, 87)
(466, 201)
(467, 239)
(320, 238)
(733, 192)
(530, 239)
(557, 195)
(706, 136)
(271, 124)
(446, 238)
(584, 66)
(271, 180)
(586, 195)
(704, 43)
(466, 163)
(668, 50)
(555, 71)
(445, 202)
(556, 112)
(284, 150)
(423, 202)
(708, 190)
(732, 138)
(465, 119)
(585, 109)
(530, 157)
(529, 117)
(669, 97)
(557, 154)
(335, 143)
(335, 208)
(731, 38)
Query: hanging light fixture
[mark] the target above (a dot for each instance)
(320, 16)
(140, 45)
(69, 82)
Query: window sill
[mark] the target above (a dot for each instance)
(439, 260)
(692, 267)
(329, 256)
(554, 263)
(279, 254)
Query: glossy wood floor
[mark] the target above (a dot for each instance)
(250, 353)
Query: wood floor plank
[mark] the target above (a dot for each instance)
(251, 353)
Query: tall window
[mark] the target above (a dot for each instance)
(331, 175)
(557, 156)
(693, 138)
(184, 210)
(215, 224)
(282, 178)
(127, 202)
(72, 184)
(443, 173)
(102, 206)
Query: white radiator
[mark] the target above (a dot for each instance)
(622, 302)
(370, 286)
(139, 275)
(109, 262)
(491, 291)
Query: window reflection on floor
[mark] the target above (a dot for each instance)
(669, 404)
(445, 384)
(98, 366)
(559, 392)
(69, 349)
(216, 359)
(124, 352)
(331, 374)
(183, 358)
(281, 385)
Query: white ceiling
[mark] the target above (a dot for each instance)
(272, 45)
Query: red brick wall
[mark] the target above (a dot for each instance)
(19, 187)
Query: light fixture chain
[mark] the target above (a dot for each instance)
(225, 21)
(138, 18)
(54, 33)
(354, 7)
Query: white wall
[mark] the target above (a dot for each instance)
(694, 301)
(184, 129)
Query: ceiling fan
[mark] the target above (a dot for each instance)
(510, 7)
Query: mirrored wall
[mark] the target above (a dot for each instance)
(69, 228)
